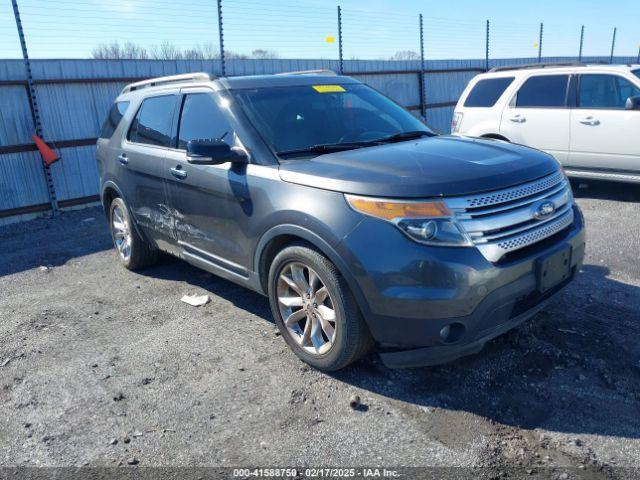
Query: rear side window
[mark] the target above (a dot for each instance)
(116, 112)
(152, 125)
(636, 73)
(202, 119)
(486, 93)
(545, 91)
(605, 91)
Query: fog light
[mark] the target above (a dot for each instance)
(452, 333)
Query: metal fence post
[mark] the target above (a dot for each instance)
(33, 104)
(581, 43)
(486, 59)
(613, 44)
(341, 59)
(423, 103)
(223, 65)
(540, 42)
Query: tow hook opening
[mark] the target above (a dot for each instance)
(452, 332)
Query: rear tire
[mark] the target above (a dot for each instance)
(134, 252)
(315, 311)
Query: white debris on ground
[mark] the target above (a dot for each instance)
(196, 300)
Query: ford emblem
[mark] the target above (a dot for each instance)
(544, 210)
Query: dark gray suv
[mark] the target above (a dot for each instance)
(361, 225)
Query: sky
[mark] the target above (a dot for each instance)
(372, 29)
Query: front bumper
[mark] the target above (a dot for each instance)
(409, 292)
(436, 355)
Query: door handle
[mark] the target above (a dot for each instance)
(178, 172)
(122, 158)
(590, 121)
(518, 119)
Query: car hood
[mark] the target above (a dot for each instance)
(428, 167)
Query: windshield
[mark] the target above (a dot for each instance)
(296, 119)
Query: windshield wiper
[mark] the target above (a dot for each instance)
(325, 148)
(338, 147)
(399, 137)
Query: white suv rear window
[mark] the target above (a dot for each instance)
(486, 92)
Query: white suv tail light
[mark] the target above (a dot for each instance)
(456, 122)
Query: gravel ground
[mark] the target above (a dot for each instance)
(103, 367)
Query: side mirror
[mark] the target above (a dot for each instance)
(213, 152)
(633, 103)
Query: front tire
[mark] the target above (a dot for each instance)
(134, 252)
(315, 311)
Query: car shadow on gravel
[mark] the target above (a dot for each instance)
(53, 242)
(176, 270)
(603, 190)
(574, 368)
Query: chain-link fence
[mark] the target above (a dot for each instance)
(250, 29)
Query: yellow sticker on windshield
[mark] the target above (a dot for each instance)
(328, 88)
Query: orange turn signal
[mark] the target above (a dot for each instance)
(392, 209)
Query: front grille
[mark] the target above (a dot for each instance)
(514, 193)
(537, 235)
(506, 220)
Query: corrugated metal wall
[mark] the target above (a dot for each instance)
(74, 110)
(21, 178)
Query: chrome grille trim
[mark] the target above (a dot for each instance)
(506, 195)
(561, 187)
(514, 217)
(530, 226)
(495, 251)
(506, 220)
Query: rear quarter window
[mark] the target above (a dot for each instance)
(116, 112)
(152, 124)
(486, 92)
(636, 73)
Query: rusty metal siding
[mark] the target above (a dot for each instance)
(76, 176)
(71, 111)
(22, 183)
(16, 126)
(404, 88)
(439, 119)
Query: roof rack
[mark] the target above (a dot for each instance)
(538, 65)
(323, 71)
(154, 82)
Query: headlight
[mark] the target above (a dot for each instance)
(431, 223)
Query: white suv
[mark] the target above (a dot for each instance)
(586, 116)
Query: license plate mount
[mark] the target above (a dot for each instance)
(554, 269)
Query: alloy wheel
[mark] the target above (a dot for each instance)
(307, 308)
(121, 232)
